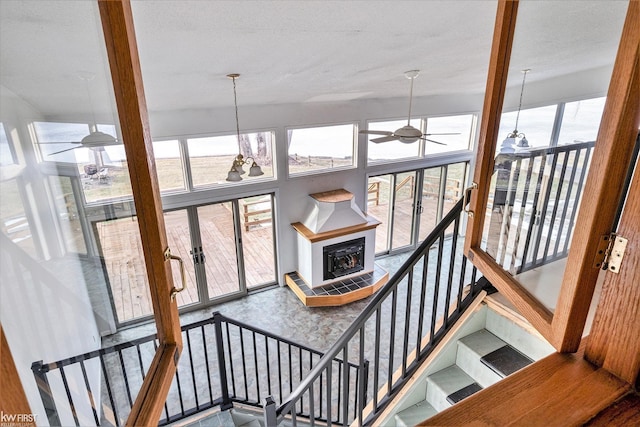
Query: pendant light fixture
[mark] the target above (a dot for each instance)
(236, 170)
(509, 144)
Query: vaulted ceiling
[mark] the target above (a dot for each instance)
(294, 51)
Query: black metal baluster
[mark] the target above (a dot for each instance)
(363, 378)
(407, 320)
(268, 362)
(231, 368)
(552, 222)
(206, 363)
(392, 338)
(72, 407)
(126, 379)
(329, 402)
(543, 214)
(244, 364)
(222, 368)
(376, 358)
(193, 372)
(89, 393)
(46, 395)
(463, 274)
(452, 264)
(534, 215)
(436, 288)
(423, 294)
(279, 372)
(255, 363)
(345, 386)
(574, 167)
(576, 202)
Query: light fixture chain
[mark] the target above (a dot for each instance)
(235, 101)
(524, 76)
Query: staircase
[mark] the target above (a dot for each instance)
(492, 344)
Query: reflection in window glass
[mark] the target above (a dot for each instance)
(121, 248)
(320, 148)
(535, 123)
(103, 170)
(391, 150)
(13, 218)
(461, 125)
(6, 152)
(211, 157)
(168, 165)
(581, 120)
(67, 214)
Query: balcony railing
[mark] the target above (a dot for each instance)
(533, 205)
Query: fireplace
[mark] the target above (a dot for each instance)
(343, 258)
(336, 240)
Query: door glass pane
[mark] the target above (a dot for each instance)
(430, 204)
(379, 207)
(403, 209)
(179, 240)
(219, 247)
(256, 217)
(121, 249)
(535, 192)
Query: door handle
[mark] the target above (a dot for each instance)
(169, 257)
(465, 198)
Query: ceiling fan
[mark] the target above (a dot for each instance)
(406, 134)
(96, 140)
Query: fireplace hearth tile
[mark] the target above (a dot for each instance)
(339, 292)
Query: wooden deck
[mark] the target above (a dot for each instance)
(123, 255)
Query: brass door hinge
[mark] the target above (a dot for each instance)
(610, 252)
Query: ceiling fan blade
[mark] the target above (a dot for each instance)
(377, 132)
(435, 142)
(450, 133)
(384, 139)
(62, 151)
(61, 142)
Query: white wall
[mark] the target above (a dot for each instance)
(46, 316)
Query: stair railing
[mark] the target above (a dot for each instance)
(392, 336)
(223, 362)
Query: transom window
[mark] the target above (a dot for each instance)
(321, 148)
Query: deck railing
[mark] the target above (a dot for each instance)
(392, 336)
(223, 361)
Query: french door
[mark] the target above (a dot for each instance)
(409, 204)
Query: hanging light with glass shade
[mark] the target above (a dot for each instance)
(509, 144)
(236, 170)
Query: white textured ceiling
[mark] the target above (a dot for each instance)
(293, 51)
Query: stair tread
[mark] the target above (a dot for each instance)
(482, 342)
(465, 392)
(415, 414)
(450, 379)
(506, 360)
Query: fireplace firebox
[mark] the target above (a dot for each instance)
(343, 258)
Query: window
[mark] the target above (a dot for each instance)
(535, 123)
(391, 150)
(7, 156)
(103, 170)
(321, 148)
(460, 126)
(581, 120)
(169, 165)
(211, 157)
